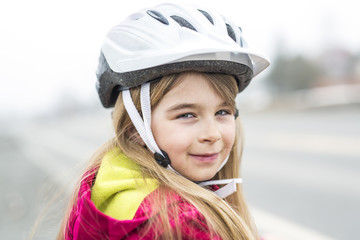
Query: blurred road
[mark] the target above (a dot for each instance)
(304, 166)
(301, 170)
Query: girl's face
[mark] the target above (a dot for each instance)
(195, 127)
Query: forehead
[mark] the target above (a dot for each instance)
(191, 88)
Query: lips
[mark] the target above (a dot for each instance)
(205, 157)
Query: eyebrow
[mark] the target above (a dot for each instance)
(181, 106)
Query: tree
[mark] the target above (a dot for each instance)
(289, 74)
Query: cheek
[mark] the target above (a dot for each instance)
(229, 135)
(171, 138)
(178, 140)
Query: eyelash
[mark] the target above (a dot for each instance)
(222, 112)
(186, 115)
(227, 112)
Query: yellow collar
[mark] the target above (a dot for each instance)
(120, 186)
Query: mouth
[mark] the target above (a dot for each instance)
(205, 157)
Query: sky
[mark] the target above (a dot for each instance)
(49, 49)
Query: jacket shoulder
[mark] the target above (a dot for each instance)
(182, 215)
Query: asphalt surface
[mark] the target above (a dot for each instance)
(301, 170)
(304, 166)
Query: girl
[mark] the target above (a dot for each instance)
(172, 74)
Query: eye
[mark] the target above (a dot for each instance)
(186, 115)
(223, 112)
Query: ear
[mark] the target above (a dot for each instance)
(134, 136)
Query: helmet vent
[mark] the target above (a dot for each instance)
(207, 15)
(231, 32)
(103, 66)
(158, 16)
(183, 23)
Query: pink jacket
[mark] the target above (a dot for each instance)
(87, 222)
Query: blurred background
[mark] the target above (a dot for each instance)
(301, 163)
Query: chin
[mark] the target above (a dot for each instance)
(203, 178)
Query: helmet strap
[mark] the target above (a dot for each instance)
(143, 125)
(226, 190)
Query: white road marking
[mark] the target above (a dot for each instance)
(274, 227)
(313, 143)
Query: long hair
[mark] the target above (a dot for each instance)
(229, 218)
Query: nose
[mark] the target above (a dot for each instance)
(210, 132)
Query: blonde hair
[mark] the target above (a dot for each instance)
(228, 218)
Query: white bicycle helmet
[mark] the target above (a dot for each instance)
(170, 38)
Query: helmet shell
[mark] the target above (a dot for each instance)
(171, 38)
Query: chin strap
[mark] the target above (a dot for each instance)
(226, 190)
(143, 127)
